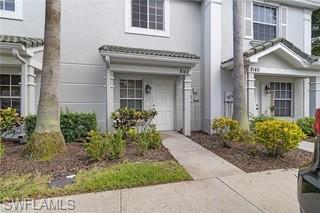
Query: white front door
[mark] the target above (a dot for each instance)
(163, 101)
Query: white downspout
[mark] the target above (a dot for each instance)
(24, 86)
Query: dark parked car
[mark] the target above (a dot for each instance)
(309, 177)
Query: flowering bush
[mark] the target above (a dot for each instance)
(278, 136)
(229, 130)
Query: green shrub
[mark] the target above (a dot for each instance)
(142, 143)
(8, 119)
(229, 130)
(74, 125)
(1, 149)
(125, 118)
(98, 146)
(306, 124)
(260, 118)
(278, 136)
(117, 145)
(154, 138)
(103, 146)
(44, 146)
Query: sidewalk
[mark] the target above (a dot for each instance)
(306, 146)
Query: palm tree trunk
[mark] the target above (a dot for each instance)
(47, 139)
(240, 112)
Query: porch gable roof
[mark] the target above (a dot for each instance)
(146, 52)
(266, 45)
(25, 41)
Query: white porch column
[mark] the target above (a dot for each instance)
(31, 91)
(314, 94)
(211, 101)
(187, 103)
(306, 97)
(252, 109)
(179, 103)
(109, 94)
(24, 90)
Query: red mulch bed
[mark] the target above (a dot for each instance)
(68, 163)
(240, 156)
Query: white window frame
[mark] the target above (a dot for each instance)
(284, 99)
(144, 31)
(16, 14)
(133, 99)
(10, 96)
(277, 25)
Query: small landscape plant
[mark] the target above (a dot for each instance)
(98, 146)
(306, 124)
(9, 118)
(229, 130)
(278, 136)
(104, 146)
(1, 149)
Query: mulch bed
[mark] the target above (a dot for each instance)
(68, 163)
(240, 156)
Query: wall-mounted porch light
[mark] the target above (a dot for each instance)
(148, 89)
(267, 89)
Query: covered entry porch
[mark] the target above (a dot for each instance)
(145, 79)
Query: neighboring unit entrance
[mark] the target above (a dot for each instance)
(163, 100)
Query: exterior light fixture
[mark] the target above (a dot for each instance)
(148, 89)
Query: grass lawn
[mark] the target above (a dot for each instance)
(119, 176)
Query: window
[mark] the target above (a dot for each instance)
(265, 22)
(147, 14)
(11, 9)
(282, 98)
(8, 5)
(131, 94)
(148, 17)
(10, 92)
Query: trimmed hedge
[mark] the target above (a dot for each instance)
(74, 125)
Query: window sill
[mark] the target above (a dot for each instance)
(11, 15)
(148, 32)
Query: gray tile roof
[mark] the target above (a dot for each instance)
(25, 41)
(266, 45)
(141, 51)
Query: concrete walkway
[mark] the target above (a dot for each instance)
(307, 146)
(198, 161)
(218, 187)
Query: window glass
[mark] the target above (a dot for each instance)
(131, 94)
(10, 91)
(147, 14)
(265, 22)
(8, 5)
(282, 95)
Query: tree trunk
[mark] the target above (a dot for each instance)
(47, 139)
(240, 112)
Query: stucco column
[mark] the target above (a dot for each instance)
(24, 90)
(187, 102)
(31, 91)
(314, 94)
(306, 97)
(251, 94)
(109, 97)
(179, 103)
(211, 101)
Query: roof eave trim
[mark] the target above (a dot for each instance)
(112, 54)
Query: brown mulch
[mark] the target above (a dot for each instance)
(239, 154)
(68, 163)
